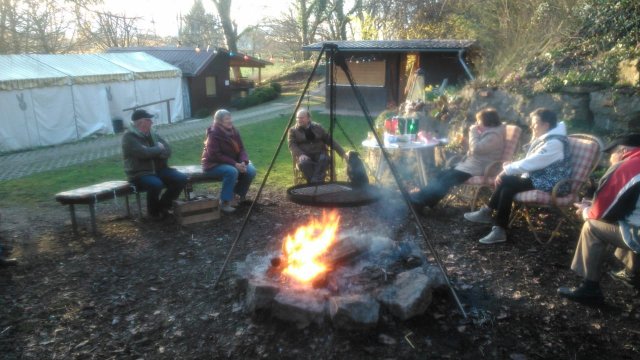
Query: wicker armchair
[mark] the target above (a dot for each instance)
(586, 151)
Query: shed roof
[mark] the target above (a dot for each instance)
(193, 62)
(424, 45)
(143, 65)
(190, 61)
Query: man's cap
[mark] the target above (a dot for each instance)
(141, 114)
(632, 140)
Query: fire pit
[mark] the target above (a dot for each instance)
(345, 278)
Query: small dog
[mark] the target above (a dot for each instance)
(355, 170)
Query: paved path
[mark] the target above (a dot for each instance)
(17, 165)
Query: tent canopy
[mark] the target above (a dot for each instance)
(51, 99)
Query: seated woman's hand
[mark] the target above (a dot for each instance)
(241, 167)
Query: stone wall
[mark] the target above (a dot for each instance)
(612, 110)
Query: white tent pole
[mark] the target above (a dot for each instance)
(75, 113)
(35, 118)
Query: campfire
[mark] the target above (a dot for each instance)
(303, 251)
(347, 276)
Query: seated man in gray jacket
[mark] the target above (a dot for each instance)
(146, 155)
(308, 143)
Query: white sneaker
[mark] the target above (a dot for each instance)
(482, 216)
(497, 235)
(226, 207)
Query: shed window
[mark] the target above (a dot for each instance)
(210, 86)
(365, 73)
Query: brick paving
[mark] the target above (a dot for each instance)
(24, 163)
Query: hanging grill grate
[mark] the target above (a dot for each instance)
(333, 194)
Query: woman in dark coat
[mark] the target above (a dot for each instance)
(224, 157)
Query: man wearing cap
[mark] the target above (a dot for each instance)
(146, 156)
(612, 218)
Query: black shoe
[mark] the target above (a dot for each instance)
(628, 280)
(8, 262)
(581, 294)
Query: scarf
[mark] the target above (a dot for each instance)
(231, 135)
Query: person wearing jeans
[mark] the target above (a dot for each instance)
(146, 154)
(158, 204)
(224, 157)
(547, 161)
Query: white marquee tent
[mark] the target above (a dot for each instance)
(52, 99)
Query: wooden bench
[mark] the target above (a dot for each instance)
(93, 194)
(195, 176)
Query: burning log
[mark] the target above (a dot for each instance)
(345, 251)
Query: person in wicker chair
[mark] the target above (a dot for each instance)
(486, 143)
(611, 218)
(146, 155)
(308, 143)
(547, 161)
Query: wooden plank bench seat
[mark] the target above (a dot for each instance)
(93, 194)
(195, 175)
(108, 190)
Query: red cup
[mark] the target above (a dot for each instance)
(394, 125)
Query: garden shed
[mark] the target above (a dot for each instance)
(388, 71)
(52, 99)
(207, 81)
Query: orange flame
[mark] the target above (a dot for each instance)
(303, 250)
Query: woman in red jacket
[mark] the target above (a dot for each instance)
(224, 157)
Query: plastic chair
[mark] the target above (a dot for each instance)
(586, 151)
(472, 187)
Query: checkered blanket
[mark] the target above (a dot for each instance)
(583, 154)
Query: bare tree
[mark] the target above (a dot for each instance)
(48, 25)
(35, 26)
(283, 34)
(310, 14)
(105, 29)
(337, 19)
(406, 19)
(9, 35)
(229, 27)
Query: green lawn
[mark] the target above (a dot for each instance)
(261, 141)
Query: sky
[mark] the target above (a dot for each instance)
(165, 12)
